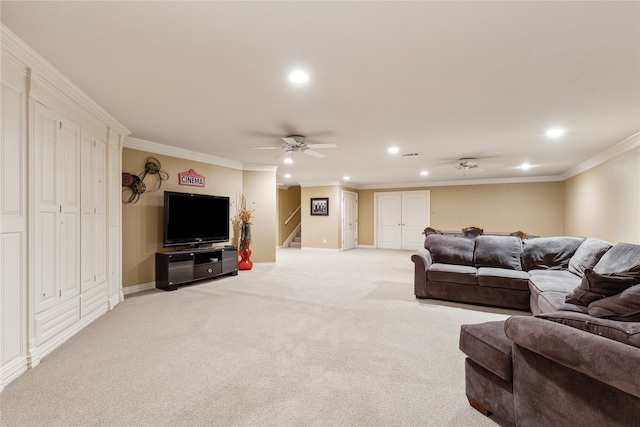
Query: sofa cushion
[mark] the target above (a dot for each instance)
(624, 332)
(552, 280)
(450, 273)
(449, 249)
(549, 253)
(624, 306)
(551, 301)
(587, 255)
(488, 346)
(498, 251)
(503, 278)
(594, 286)
(623, 257)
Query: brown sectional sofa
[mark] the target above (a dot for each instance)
(496, 270)
(577, 360)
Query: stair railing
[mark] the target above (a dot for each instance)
(286, 221)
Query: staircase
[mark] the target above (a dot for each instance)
(296, 242)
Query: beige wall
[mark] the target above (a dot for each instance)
(604, 201)
(142, 221)
(531, 207)
(288, 201)
(259, 189)
(321, 231)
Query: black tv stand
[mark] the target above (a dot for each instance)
(183, 267)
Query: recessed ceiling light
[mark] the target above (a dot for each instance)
(346, 178)
(288, 160)
(287, 175)
(525, 166)
(393, 150)
(299, 76)
(555, 132)
(424, 173)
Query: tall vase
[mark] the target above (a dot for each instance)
(244, 263)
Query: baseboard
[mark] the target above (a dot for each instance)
(366, 247)
(306, 248)
(12, 370)
(126, 290)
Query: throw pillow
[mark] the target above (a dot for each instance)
(621, 257)
(449, 249)
(624, 306)
(498, 252)
(587, 255)
(549, 253)
(595, 286)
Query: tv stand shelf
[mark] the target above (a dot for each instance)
(179, 268)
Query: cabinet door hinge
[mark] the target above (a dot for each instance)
(60, 292)
(60, 125)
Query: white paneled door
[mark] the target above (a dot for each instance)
(400, 219)
(349, 220)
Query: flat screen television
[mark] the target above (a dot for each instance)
(194, 219)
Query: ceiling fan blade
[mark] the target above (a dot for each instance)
(314, 154)
(322, 146)
(290, 140)
(282, 154)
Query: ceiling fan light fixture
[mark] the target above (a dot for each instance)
(288, 159)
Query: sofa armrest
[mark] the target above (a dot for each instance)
(422, 261)
(422, 258)
(608, 361)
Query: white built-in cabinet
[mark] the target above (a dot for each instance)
(60, 231)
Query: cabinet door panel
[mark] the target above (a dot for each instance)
(70, 255)
(45, 138)
(99, 178)
(46, 253)
(69, 184)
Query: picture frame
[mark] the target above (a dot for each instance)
(320, 206)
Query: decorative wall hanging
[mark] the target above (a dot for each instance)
(134, 185)
(192, 178)
(320, 206)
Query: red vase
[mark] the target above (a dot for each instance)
(244, 263)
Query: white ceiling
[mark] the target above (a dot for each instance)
(442, 79)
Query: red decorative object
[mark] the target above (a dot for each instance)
(244, 263)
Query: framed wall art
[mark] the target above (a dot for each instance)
(320, 206)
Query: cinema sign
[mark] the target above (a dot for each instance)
(192, 178)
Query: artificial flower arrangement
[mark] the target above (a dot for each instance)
(243, 219)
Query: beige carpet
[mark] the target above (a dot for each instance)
(320, 338)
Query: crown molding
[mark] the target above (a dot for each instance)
(319, 183)
(181, 153)
(24, 56)
(522, 180)
(259, 167)
(620, 148)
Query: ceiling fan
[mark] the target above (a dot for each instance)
(295, 143)
(466, 163)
